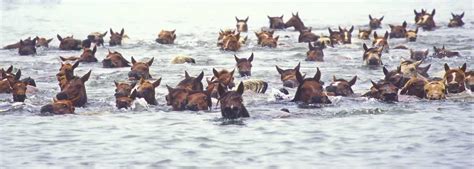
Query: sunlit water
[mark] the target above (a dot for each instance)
(351, 132)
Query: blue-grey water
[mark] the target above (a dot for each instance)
(350, 133)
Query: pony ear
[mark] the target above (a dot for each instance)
(250, 59)
(59, 37)
(170, 89)
(49, 40)
(133, 95)
(173, 31)
(340, 29)
(276, 38)
(75, 65)
(62, 58)
(299, 77)
(386, 35)
(404, 24)
(133, 60)
(94, 50)
(105, 33)
(317, 76)
(297, 68)
(280, 71)
(116, 83)
(462, 15)
(86, 76)
(463, 67)
(236, 19)
(352, 29)
(370, 17)
(122, 32)
(381, 18)
(10, 69)
(330, 30)
(240, 88)
(334, 78)
(365, 47)
(111, 31)
(281, 16)
(157, 83)
(353, 81)
(433, 12)
(186, 75)
(446, 67)
(269, 17)
(236, 58)
(150, 61)
(375, 35)
(385, 71)
(200, 76)
(391, 26)
(414, 10)
(215, 72)
(374, 84)
(18, 75)
(310, 46)
(246, 19)
(232, 72)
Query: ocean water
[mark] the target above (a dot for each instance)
(350, 133)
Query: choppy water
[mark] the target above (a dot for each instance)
(352, 132)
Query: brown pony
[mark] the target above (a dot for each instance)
(224, 77)
(211, 88)
(269, 42)
(8, 79)
(395, 77)
(415, 87)
(231, 42)
(324, 41)
(114, 60)
(116, 37)
(455, 78)
(456, 21)
(69, 43)
(384, 91)
(310, 90)
(27, 41)
(375, 23)
(435, 89)
(364, 33)
(335, 36)
(244, 65)
(198, 100)
(123, 89)
(232, 106)
(222, 34)
(66, 70)
(75, 90)
(372, 56)
(470, 80)
(276, 22)
(443, 52)
(97, 38)
(87, 55)
(19, 91)
(315, 53)
(27, 48)
(425, 20)
(346, 35)
(398, 31)
(43, 42)
(288, 76)
(418, 15)
(264, 34)
(140, 70)
(409, 68)
(418, 55)
(307, 36)
(341, 87)
(176, 97)
(381, 41)
(146, 90)
(296, 22)
(192, 83)
(411, 35)
(166, 37)
(59, 106)
(125, 101)
(242, 24)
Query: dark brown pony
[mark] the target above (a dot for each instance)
(295, 22)
(425, 20)
(27, 48)
(59, 106)
(75, 90)
(224, 77)
(123, 95)
(244, 65)
(114, 60)
(198, 100)
(372, 56)
(341, 87)
(27, 41)
(69, 43)
(310, 90)
(455, 78)
(19, 91)
(211, 88)
(288, 76)
(140, 70)
(384, 91)
(456, 21)
(307, 36)
(43, 42)
(116, 37)
(123, 89)
(470, 80)
(335, 36)
(315, 53)
(66, 70)
(364, 33)
(88, 55)
(146, 90)
(395, 77)
(398, 31)
(166, 37)
(192, 83)
(97, 38)
(443, 52)
(418, 55)
(232, 106)
(415, 87)
(176, 98)
(8, 79)
(375, 23)
(231, 42)
(222, 34)
(242, 24)
(276, 22)
(346, 35)
(381, 41)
